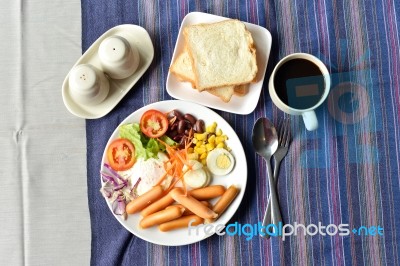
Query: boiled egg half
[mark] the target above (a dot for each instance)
(220, 161)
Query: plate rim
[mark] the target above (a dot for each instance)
(223, 107)
(176, 104)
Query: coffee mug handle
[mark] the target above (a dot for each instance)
(310, 120)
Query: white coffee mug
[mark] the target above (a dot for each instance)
(308, 114)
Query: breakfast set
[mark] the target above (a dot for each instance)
(218, 63)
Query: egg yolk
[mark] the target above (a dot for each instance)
(223, 161)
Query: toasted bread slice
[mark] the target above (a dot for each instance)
(222, 54)
(224, 93)
(241, 90)
(182, 68)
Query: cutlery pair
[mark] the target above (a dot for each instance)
(269, 143)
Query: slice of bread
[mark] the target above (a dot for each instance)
(221, 53)
(182, 68)
(241, 90)
(224, 93)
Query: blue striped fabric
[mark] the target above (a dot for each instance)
(345, 172)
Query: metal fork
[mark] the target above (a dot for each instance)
(284, 138)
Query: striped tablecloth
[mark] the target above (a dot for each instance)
(346, 172)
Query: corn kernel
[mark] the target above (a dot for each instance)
(193, 156)
(199, 150)
(204, 161)
(210, 146)
(203, 156)
(201, 136)
(211, 139)
(199, 143)
(194, 140)
(219, 140)
(221, 145)
(218, 132)
(211, 128)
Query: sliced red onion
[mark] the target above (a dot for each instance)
(108, 178)
(137, 183)
(119, 187)
(133, 193)
(112, 171)
(119, 205)
(127, 195)
(107, 190)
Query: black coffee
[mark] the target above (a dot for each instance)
(299, 83)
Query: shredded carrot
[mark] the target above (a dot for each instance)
(178, 159)
(167, 171)
(179, 179)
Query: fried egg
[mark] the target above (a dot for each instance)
(149, 171)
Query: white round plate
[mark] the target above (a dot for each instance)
(237, 177)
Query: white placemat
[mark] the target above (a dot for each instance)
(43, 201)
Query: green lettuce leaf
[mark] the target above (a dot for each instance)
(144, 147)
(132, 133)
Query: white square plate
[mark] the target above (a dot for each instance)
(239, 105)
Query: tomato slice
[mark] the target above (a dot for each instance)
(121, 154)
(153, 123)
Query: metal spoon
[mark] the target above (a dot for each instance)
(265, 143)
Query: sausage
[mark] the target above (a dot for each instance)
(187, 211)
(144, 200)
(161, 217)
(181, 222)
(223, 202)
(192, 204)
(158, 205)
(207, 193)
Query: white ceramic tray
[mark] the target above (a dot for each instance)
(136, 36)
